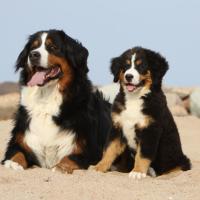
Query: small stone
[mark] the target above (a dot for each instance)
(195, 102)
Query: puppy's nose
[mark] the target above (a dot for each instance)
(129, 77)
(34, 55)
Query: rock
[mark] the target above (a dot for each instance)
(173, 99)
(8, 105)
(178, 110)
(182, 92)
(195, 102)
(9, 87)
(175, 104)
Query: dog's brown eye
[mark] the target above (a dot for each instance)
(53, 48)
(126, 66)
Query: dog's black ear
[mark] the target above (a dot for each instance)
(76, 54)
(22, 58)
(158, 66)
(115, 68)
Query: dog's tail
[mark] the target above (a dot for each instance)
(185, 163)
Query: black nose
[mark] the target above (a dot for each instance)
(129, 77)
(34, 55)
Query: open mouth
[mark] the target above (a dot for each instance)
(131, 87)
(43, 75)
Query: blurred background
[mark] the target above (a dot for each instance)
(106, 29)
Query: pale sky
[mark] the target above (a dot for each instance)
(107, 28)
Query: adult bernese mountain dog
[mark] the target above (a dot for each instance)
(61, 123)
(141, 119)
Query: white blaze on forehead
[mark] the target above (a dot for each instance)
(43, 52)
(133, 71)
(133, 60)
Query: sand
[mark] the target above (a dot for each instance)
(40, 183)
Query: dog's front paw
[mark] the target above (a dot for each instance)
(13, 165)
(63, 168)
(137, 175)
(101, 167)
(151, 172)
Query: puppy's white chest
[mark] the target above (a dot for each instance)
(44, 137)
(129, 117)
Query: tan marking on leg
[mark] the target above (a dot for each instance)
(66, 165)
(171, 173)
(141, 164)
(80, 145)
(176, 169)
(20, 159)
(20, 141)
(113, 150)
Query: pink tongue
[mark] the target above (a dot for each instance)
(37, 79)
(130, 87)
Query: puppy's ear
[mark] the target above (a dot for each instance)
(158, 66)
(115, 68)
(22, 58)
(76, 54)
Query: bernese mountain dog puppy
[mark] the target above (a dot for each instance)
(141, 119)
(61, 123)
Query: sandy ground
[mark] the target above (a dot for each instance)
(43, 184)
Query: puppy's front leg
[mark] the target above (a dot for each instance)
(141, 165)
(114, 149)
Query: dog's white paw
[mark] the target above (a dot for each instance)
(13, 165)
(151, 172)
(137, 175)
(53, 169)
(91, 167)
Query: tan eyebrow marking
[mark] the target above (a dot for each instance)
(138, 62)
(128, 62)
(35, 44)
(48, 41)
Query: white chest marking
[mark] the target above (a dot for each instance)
(44, 137)
(131, 116)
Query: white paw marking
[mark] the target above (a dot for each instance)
(137, 175)
(13, 165)
(151, 172)
(53, 169)
(91, 167)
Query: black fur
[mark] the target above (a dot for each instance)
(160, 141)
(84, 112)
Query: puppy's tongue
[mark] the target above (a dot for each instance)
(130, 87)
(37, 79)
